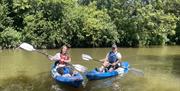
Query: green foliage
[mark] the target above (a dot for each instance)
(89, 23)
(42, 33)
(176, 38)
(79, 26)
(4, 19)
(9, 38)
(97, 30)
(43, 25)
(142, 24)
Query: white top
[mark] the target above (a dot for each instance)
(56, 57)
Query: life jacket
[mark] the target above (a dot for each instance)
(66, 70)
(112, 57)
(63, 57)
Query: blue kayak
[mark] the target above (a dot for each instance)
(75, 80)
(95, 75)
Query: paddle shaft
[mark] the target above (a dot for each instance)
(46, 54)
(86, 56)
(96, 60)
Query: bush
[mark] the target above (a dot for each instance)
(10, 38)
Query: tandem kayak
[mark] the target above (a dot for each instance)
(95, 75)
(75, 80)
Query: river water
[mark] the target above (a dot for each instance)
(30, 71)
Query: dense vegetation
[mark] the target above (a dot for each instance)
(89, 23)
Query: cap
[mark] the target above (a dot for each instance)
(114, 46)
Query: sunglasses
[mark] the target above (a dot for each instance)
(113, 48)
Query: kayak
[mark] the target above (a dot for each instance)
(74, 81)
(95, 75)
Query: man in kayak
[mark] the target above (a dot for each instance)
(112, 60)
(62, 61)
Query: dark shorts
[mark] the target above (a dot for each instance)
(114, 67)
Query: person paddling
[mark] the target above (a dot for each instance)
(62, 61)
(112, 60)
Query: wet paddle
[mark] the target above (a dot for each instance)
(135, 71)
(29, 47)
(87, 57)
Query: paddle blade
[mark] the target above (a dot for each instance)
(80, 68)
(86, 57)
(137, 72)
(27, 47)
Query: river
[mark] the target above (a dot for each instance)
(30, 71)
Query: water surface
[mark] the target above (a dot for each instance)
(30, 71)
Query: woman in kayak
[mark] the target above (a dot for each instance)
(112, 60)
(62, 61)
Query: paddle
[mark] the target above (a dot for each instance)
(88, 58)
(133, 70)
(29, 47)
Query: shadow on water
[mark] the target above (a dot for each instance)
(97, 85)
(176, 65)
(24, 83)
(44, 82)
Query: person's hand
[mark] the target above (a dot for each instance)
(50, 57)
(113, 64)
(105, 64)
(102, 60)
(62, 60)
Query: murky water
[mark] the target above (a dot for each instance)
(30, 71)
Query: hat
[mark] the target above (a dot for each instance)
(114, 46)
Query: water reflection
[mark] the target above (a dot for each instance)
(43, 82)
(100, 84)
(176, 65)
(25, 83)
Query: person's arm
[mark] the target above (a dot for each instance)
(55, 57)
(119, 56)
(68, 61)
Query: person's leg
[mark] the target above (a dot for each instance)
(111, 68)
(60, 70)
(105, 64)
(101, 69)
(56, 63)
(116, 66)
